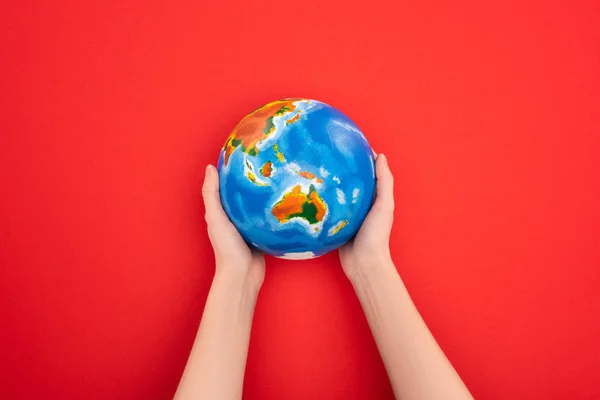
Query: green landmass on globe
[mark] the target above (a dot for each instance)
(296, 204)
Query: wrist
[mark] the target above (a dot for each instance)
(367, 270)
(235, 280)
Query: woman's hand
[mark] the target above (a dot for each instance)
(215, 368)
(371, 245)
(415, 364)
(232, 254)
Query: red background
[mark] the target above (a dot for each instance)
(110, 110)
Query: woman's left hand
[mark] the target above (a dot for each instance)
(232, 254)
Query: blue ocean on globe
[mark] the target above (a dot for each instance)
(297, 178)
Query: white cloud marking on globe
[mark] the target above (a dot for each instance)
(298, 256)
(341, 197)
(355, 194)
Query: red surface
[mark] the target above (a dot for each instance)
(109, 112)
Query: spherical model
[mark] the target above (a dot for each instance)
(297, 178)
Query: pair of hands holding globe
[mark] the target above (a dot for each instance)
(233, 256)
(415, 364)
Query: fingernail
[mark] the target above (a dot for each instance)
(210, 170)
(383, 159)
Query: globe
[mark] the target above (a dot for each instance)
(297, 178)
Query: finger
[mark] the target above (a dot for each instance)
(256, 253)
(210, 194)
(385, 184)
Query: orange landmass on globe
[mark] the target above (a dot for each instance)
(295, 203)
(309, 175)
(253, 179)
(338, 227)
(293, 119)
(267, 169)
(255, 127)
(319, 204)
(278, 153)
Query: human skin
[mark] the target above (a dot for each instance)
(215, 367)
(415, 364)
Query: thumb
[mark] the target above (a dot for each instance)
(210, 194)
(385, 185)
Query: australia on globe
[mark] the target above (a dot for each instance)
(297, 178)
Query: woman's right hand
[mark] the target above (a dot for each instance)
(415, 364)
(371, 245)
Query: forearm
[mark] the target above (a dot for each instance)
(215, 368)
(417, 367)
